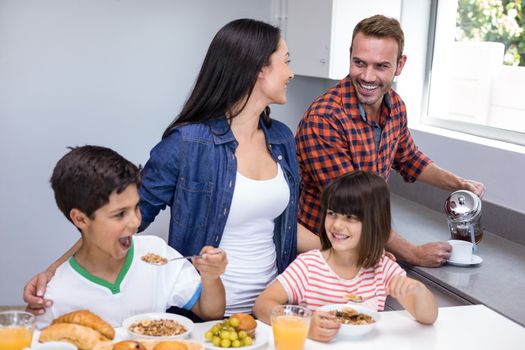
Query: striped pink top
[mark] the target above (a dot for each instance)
(310, 281)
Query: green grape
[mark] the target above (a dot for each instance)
(216, 341)
(234, 321)
(231, 329)
(248, 341)
(208, 336)
(224, 334)
(233, 336)
(236, 343)
(242, 334)
(215, 329)
(226, 343)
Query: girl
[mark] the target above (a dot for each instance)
(354, 229)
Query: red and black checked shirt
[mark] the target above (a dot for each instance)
(333, 138)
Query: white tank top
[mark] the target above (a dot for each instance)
(248, 239)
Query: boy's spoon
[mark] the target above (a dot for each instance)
(158, 260)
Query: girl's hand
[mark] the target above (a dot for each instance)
(402, 286)
(323, 326)
(212, 264)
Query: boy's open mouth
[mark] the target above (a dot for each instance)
(125, 242)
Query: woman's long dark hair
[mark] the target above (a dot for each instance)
(229, 72)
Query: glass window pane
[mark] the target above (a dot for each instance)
(478, 67)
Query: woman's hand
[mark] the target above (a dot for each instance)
(34, 292)
(212, 264)
(323, 326)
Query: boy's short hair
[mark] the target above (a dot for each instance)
(366, 196)
(86, 176)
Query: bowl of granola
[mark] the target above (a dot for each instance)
(355, 320)
(158, 326)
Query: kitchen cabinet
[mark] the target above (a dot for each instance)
(319, 32)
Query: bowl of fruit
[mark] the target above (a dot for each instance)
(237, 331)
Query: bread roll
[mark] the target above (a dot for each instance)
(246, 323)
(84, 338)
(170, 345)
(129, 345)
(88, 319)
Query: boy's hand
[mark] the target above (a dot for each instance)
(323, 326)
(34, 291)
(402, 286)
(212, 264)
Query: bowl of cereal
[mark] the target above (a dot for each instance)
(355, 320)
(158, 326)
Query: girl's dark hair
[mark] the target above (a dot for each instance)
(86, 176)
(229, 72)
(364, 195)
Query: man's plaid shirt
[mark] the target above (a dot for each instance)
(334, 137)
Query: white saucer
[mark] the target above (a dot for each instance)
(476, 260)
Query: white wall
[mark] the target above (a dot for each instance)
(75, 72)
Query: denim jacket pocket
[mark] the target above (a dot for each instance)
(191, 204)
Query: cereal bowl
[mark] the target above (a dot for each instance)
(158, 326)
(362, 313)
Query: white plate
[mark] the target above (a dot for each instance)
(261, 336)
(476, 260)
(186, 322)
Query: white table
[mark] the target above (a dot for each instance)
(460, 327)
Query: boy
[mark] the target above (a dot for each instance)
(96, 189)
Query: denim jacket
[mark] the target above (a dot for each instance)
(193, 171)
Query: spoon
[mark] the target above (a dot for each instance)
(158, 260)
(358, 299)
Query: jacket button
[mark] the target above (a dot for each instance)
(280, 157)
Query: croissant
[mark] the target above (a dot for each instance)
(88, 319)
(84, 338)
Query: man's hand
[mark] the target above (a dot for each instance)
(34, 291)
(212, 264)
(432, 254)
(323, 326)
(475, 187)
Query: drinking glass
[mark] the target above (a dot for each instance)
(16, 330)
(290, 324)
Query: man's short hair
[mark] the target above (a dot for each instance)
(380, 26)
(86, 176)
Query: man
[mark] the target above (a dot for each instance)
(361, 123)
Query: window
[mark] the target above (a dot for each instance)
(477, 74)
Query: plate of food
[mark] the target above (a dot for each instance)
(355, 320)
(238, 331)
(158, 326)
(178, 344)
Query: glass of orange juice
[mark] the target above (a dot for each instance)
(16, 330)
(290, 324)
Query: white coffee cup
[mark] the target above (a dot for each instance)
(461, 251)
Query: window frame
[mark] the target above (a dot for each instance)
(483, 131)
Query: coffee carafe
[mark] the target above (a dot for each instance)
(463, 209)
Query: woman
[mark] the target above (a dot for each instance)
(227, 171)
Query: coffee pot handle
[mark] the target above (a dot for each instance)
(470, 229)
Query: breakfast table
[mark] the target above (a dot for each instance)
(458, 327)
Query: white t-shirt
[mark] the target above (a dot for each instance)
(248, 239)
(310, 281)
(140, 287)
